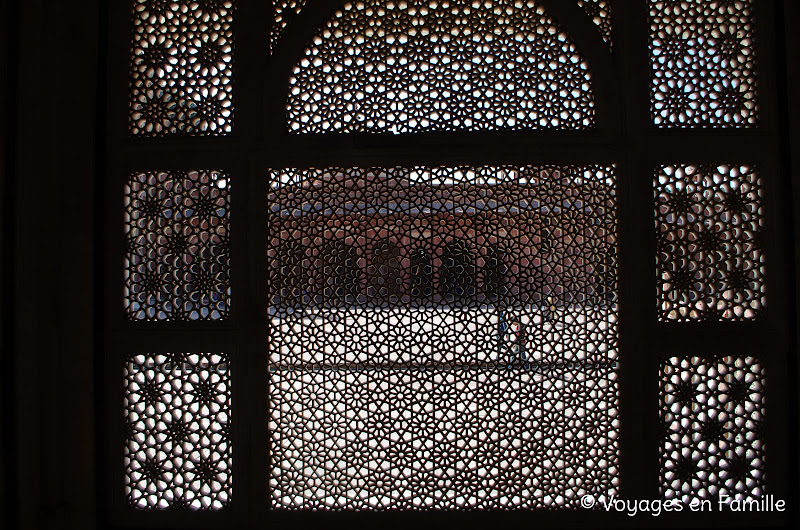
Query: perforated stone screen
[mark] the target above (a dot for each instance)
(702, 54)
(712, 409)
(442, 337)
(600, 13)
(598, 10)
(426, 65)
(710, 250)
(282, 10)
(181, 68)
(177, 431)
(177, 245)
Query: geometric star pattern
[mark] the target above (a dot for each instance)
(455, 438)
(600, 13)
(281, 13)
(177, 255)
(702, 54)
(598, 10)
(425, 65)
(710, 255)
(177, 431)
(442, 337)
(181, 68)
(712, 413)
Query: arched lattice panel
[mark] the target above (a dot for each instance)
(598, 10)
(710, 244)
(177, 431)
(426, 65)
(712, 409)
(702, 55)
(181, 68)
(470, 359)
(177, 245)
(600, 13)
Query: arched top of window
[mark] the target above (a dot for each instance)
(399, 66)
(284, 10)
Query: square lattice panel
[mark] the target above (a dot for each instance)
(442, 337)
(712, 409)
(710, 250)
(177, 431)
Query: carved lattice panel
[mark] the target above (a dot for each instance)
(600, 13)
(712, 409)
(181, 68)
(442, 337)
(177, 431)
(177, 246)
(282, 10)
(710, 257)
(425, 65)
(704, 67)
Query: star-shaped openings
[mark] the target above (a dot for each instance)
(600, 13)
(371, 264)
(177, 431)
(424, 65)
(282, 12)
(712, 412)
(181, 68)
(710, 259)
(177, 245)
(702, 55)
(442, 337)
(428, 438)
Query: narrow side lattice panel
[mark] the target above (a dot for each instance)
(181, 67)
(426, 65)
(418, 314)
(600, 13)
(710, 257)
(712, 409)
(177, 255)
(702, 55)
(282, 11)
(177, 431)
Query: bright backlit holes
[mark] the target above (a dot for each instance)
(703, 60)
(600, 13)
(177, 255)
(442, 337)
(181, 68)
(425, 65)
(283, 10)
(177, 431)
(712, 412)
(710, 255)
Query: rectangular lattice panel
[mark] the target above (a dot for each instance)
(181, 67)
(712, 409)
(177, 431)
(442, 337)
(443, 438)
(177, 246)
(710, 256)
(702, 55)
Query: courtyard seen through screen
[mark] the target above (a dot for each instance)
(443, 337)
